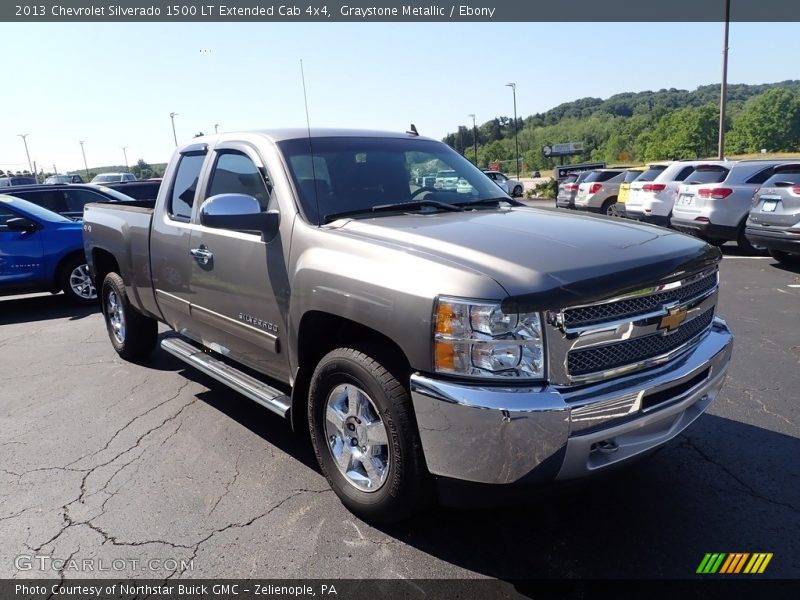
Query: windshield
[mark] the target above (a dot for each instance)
(707, 174)
(105, 178)
(358, 174)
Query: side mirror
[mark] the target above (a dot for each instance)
(22, 224)
(239, 212)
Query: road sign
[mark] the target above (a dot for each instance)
(566, 149)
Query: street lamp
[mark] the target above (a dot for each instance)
(216, 127)
(172, 116)
(513, 87)
(474, 136)
(85, 166)
(125, 154)
(24, 141)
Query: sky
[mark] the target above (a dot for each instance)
(114, 85)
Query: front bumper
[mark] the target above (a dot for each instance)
(521, 435)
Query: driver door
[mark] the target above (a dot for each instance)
(239, 295)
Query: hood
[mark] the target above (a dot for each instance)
(544, 259)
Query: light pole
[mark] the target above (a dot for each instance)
(216, 127)
(172, 116)
(85, 166)
(723, 92)
(513, 87)
(24, 141)
(125, 154)
(474, 136)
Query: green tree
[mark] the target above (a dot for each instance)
(771, 121)
(684, 133)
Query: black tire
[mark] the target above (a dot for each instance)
(74, 280)
(785, 258)
(745, 245)
(138, 335)
(517, 191)
(609, 208)
(404, 489)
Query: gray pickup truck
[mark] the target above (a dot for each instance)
(430, 341)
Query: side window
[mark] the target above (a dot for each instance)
(185, 185)
(761, 176)
(5, 215)
(76, 199)
(50, 200)
(235, 173)
(684, 173)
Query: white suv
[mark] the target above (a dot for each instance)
(651, 198)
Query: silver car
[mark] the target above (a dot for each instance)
(714, 201)
(599, 191)
(113, 177)
(652, 201)
(568, 189)
(512, 187)
(774, 221)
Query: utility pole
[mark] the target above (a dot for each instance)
(24, 141)
(125, 154)
(216, 127)
(474, 137)
(513, 87)
(85, 166)
(172, 116)
(723, 93)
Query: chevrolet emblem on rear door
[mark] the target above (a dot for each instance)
(675, 316)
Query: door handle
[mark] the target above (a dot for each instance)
(202, 255)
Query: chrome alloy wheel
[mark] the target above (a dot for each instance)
(116, 316)
(357, 437)
(81, 283)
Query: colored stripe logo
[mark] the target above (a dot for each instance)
(736, 562)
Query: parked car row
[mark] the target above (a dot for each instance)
(755, 203)
(449, 180)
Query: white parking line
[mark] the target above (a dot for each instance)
(793, 285)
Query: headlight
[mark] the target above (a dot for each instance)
(477, 339)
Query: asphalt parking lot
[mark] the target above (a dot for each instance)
(100, 458)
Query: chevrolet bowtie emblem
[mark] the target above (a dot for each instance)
(673, 319)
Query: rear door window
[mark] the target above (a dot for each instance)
(77, 199)
(651, 173)
(187, 175)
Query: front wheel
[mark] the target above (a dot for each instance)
(517, 191)
(364, 436)
(132, 334)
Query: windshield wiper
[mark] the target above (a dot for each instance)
(490, 201)
(394, 207)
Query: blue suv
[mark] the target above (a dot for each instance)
(41, 251)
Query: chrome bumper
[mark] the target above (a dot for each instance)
(503, 435)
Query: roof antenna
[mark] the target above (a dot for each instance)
(413, 130)
(310, 147)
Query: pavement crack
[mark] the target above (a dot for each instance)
(746, 486)
(227, 485)
(752, 398)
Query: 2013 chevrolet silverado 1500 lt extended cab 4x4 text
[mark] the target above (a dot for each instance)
(426, 338)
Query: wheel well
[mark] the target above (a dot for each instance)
(318, 334)
(104, 263)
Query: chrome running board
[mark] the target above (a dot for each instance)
(266, 395)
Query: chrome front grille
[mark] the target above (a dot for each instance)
(612, 356)
(641, 305)
(631, 332)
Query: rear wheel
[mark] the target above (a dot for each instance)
(609, 207)
(132, 334)
(785, 257)
(517, 191)
(745, 245)
(362, 428)
(76, 282)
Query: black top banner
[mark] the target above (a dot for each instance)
(398, 11)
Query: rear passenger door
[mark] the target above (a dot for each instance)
(240, 295)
